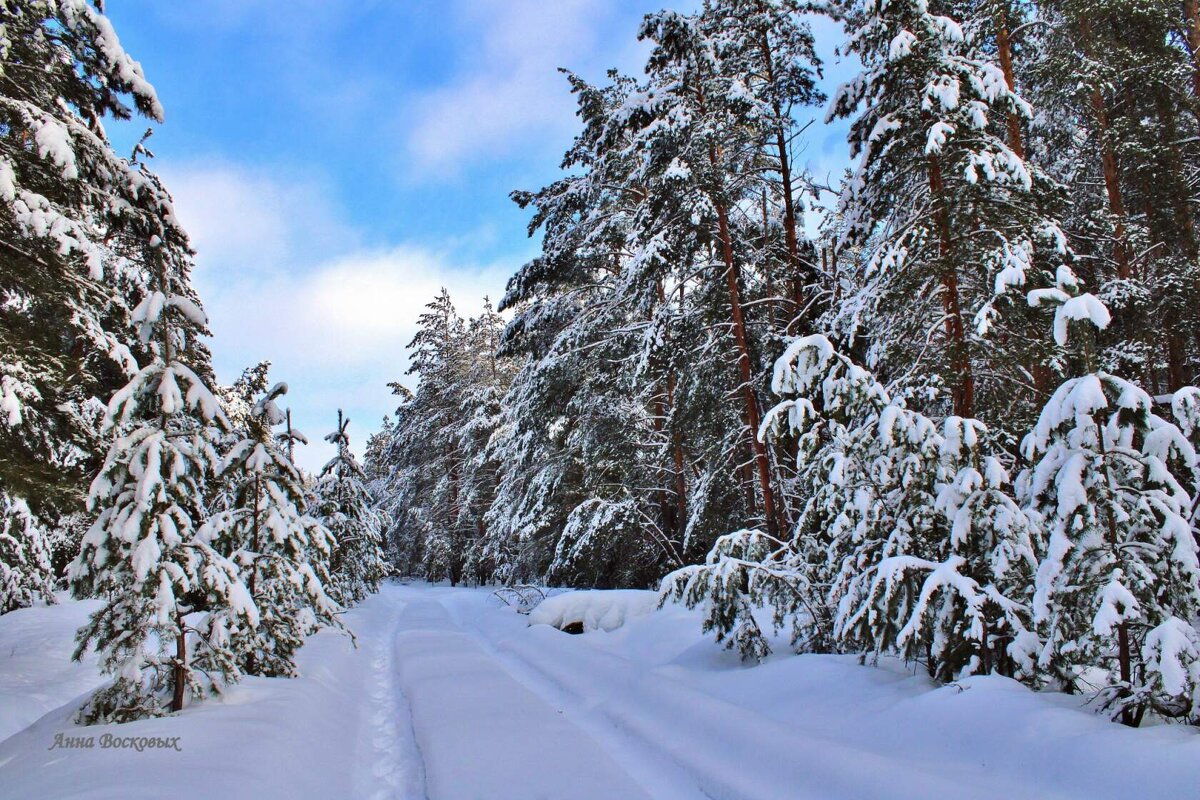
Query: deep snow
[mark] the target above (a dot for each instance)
(451, 694)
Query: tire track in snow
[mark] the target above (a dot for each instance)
(730, 752)
(397, 769)
(484, 734)
(662, 777)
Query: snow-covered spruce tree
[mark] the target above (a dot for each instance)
(344, 507)
(909, 541)
(583, 446)
(423, 458)
(488, 378)
(68, 271)
(25, 574)
(282, 552)
(953, 217)
(432, 469)
(171, 597)
(1118, 590)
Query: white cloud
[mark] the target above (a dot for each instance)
(511, 93)
(282, 279)
(242, 221)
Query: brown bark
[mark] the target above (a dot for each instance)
(1128, 715)
(1112, 185)
(1004, 51)
(750, 414)
(745, 373)
(791, 240)
(768, 273)
(179, 671)
(963, 391)
(1191, 11)
(1108, 160)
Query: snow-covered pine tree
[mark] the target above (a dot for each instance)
(68, 272)
(488, 378)
(584, 452)
(168, 591)
(769, 45)
(344, 507)
(700, 124)
(283, 552)
(953, 216)
(432, 467)
(25, 573)
(1115, 81)
(424, 459)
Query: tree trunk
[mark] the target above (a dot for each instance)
(677, 448)
(745, 372)
(1128, 715)
(1108, 160)
(673, 512)
(1004, 51)
(179, 671)
(750, 414)
(1191, 10)
(785, 176)
(963, 391)
(254, 541)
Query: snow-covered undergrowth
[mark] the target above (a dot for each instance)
(453, 695)
(595, 610)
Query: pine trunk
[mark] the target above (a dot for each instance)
(963, 391)
(1004, 52)
(675, 513)
(1191, 10)
(1128, 715)
(179, 677)
(745, 372)
(1108, 160)
(791, 240)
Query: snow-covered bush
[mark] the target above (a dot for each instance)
(593, 610)
(908, 542)
(1119, 587)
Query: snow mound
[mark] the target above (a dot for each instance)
(595, 610)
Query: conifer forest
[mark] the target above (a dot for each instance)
(852, 478)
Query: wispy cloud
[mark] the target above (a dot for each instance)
(510, 95)
(283, 278)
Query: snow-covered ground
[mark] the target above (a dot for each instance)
(450, 694)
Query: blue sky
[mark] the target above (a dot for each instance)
(337, 161)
